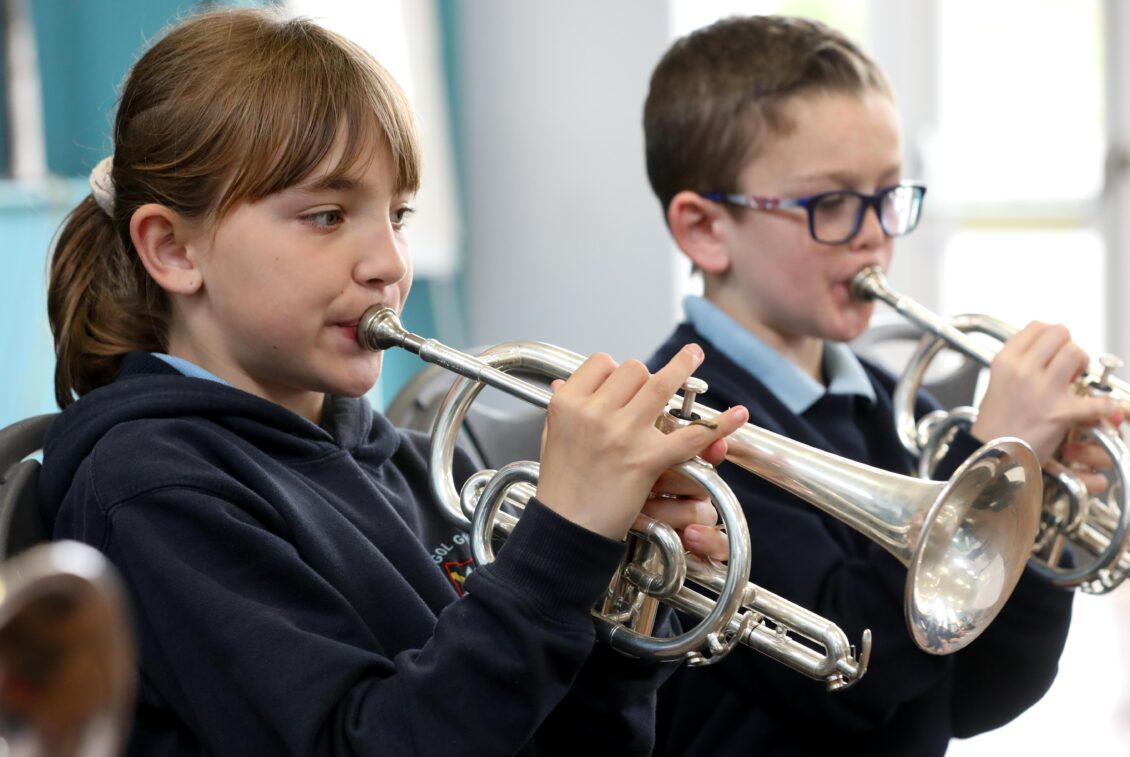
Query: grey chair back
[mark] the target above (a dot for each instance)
(494, 433)
(951, 378)
(21, 525)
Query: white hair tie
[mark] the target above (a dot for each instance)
(102, 185)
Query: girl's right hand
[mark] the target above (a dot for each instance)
(601, 452)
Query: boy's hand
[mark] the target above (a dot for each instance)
(1032, 391)
(601, 453)
(1087, 459)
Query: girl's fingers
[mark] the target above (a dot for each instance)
(715, 454)
(622, 385)
(664, 383)
(707, 541)
(674, 484)
(681, 512)
(589, 377)
(694, 439)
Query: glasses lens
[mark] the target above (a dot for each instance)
(900, 208)
(835, 216)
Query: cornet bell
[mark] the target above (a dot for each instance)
(964, 541)
(972, 549)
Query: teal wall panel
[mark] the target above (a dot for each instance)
(5, 147)
(85, 50)
(28, 221)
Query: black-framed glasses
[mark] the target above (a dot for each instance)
(836, 217)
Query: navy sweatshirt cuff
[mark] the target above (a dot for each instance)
(961, 448)
(556, 562)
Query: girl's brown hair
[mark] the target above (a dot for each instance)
(719, 91)
(227, 107)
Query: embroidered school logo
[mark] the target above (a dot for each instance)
(458, 572)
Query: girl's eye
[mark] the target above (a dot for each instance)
(400, 217)
(325, 219)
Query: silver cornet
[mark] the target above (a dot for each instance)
(964, 541)
(1095, 530)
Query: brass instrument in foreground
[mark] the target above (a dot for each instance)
(66, 661)
(964, 542)
(1094, 530)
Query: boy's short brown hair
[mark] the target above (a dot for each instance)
(719, 91)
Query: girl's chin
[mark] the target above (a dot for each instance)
(360, 378)
(353, 388)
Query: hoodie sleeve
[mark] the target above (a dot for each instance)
(256, 654)
(612, 703)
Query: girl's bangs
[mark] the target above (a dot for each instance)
(305, 112)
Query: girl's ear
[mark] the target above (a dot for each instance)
(160, 236)
(697, 226)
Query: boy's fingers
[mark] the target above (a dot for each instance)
(1022, 340)
(1085, 453)
(1068, 363)
(1049, 345)
(1088, 411)
(1096, 483)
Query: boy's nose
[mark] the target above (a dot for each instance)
(871, 232)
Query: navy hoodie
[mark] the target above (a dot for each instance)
(910, 703)
(296, 590)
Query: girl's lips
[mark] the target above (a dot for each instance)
(349, 330)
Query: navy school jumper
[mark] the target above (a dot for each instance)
(910, 703)
(296, 590)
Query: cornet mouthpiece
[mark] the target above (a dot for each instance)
(379, 329)
(867, 284)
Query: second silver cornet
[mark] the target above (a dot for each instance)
(1095, 530)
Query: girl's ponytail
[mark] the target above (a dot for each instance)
(100, 301)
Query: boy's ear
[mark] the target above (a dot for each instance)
(160, 236)
(697, 226)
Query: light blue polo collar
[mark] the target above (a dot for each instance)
(188, 368)
(793, 387)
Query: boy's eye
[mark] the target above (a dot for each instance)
(400, 216)
(324, 218)
(832, 201)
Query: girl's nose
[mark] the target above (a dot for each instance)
(383, 259)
